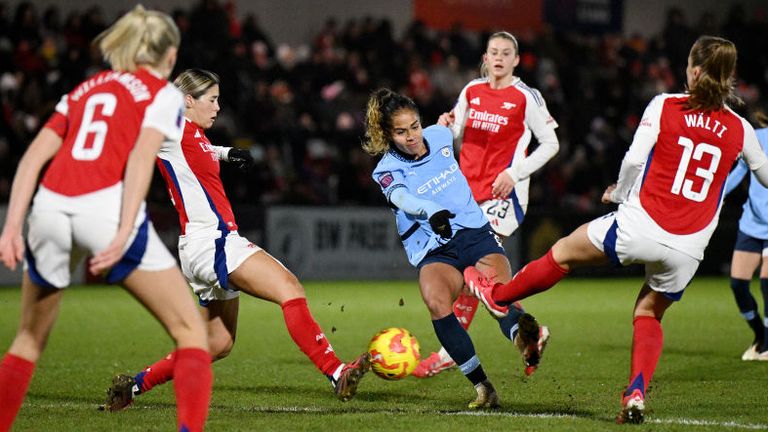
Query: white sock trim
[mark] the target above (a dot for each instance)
(337, 373)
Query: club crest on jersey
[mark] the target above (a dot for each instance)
(475, 101)
(386, 179)
(446, 152)
(508, 105)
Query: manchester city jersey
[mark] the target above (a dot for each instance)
(434, 177)
(754, 219)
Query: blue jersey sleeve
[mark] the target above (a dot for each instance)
(735, 177)
(389, 177)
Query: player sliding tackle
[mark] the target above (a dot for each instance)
(219, 263)
(669, 194)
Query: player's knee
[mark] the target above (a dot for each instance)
(189, 332)
(438, 307)
(292, 289)
(221, 347)
(27, 346)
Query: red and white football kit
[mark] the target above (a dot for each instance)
(670, 189)
(209, 246)
(77, 207)
(494, 127)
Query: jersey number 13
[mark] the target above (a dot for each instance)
(683, 185)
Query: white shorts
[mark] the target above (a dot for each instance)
(667, 270)
(60, 235)
(505, 216)
(207, 259)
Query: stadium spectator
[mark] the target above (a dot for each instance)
(366, 54)
(94, 162)
(493, 121)
(669, 194)
(751, 252)
(217, 262)
(442, 228)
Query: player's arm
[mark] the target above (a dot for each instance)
(735, 177)
(240, 157)
(634, 160)
(138, 176)
(631, 167)
(162, 120)
(40, 151)
(543, 126)
(754, 156)
(222, 153)
(438, 217)
(408, 203)
(458, 118)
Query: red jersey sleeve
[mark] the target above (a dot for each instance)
(57, 122)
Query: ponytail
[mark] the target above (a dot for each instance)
(714, 87)
(139, 37)
(762, 118)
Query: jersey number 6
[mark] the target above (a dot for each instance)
(106, 102)
(695, 151)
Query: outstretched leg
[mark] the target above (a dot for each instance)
(539, 275)
(264, 277)
(440, 284)
(174, 307)
(39, 310)
(220, 317)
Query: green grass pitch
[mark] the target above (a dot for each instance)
(267, 384)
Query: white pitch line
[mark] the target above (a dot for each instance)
(694, 422)
(322, 410)
(678, 421)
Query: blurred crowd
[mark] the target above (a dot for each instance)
(300, 109)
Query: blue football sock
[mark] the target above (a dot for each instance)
(508, 324)
(748, 307)
(744, 299)
(456, 341)
(764, 289)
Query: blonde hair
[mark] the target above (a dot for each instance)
(195, 82)
(139, 37)
(762, 118)
(498, 35)
(714, 87)
(382, 106)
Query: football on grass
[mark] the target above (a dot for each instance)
(394, 353)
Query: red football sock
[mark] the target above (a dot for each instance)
(192, 381)
(539, 275)
(464, 308)
(15, 375)
(647, 341)
(158, 373)
(306, 333)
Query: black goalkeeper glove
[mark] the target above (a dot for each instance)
(441, 224)
(241, 158)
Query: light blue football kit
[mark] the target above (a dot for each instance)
(754, 219)
(436, 179)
